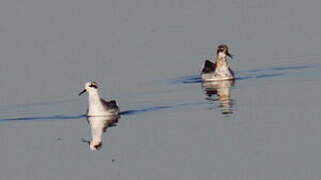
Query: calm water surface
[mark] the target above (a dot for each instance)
(147, 54)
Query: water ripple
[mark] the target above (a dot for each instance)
(54, 117)
(258, 73)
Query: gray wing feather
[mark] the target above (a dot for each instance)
(209, 67)
(110, 105)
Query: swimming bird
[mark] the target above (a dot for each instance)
(98, 106)
(218, 70)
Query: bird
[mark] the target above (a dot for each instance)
(98, 106)
(218, 70)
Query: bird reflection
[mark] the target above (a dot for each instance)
(221, 91)
(98, 125)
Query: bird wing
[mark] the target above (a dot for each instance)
(110, 104)
(209, 67)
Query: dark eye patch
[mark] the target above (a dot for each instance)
(93, 86)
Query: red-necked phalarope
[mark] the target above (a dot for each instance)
(98, 106)
(218, 70)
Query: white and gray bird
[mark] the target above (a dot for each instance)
(98, 106)
(218, 70)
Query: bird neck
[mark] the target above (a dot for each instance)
(94, 97)
(221, 61)
(221, 55)
(222, 64)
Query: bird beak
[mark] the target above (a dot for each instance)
(82, 92)
(229, 55)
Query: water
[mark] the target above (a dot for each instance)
(147, 55)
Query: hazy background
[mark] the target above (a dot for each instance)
(141, 52)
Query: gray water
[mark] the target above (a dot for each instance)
(147, 55)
